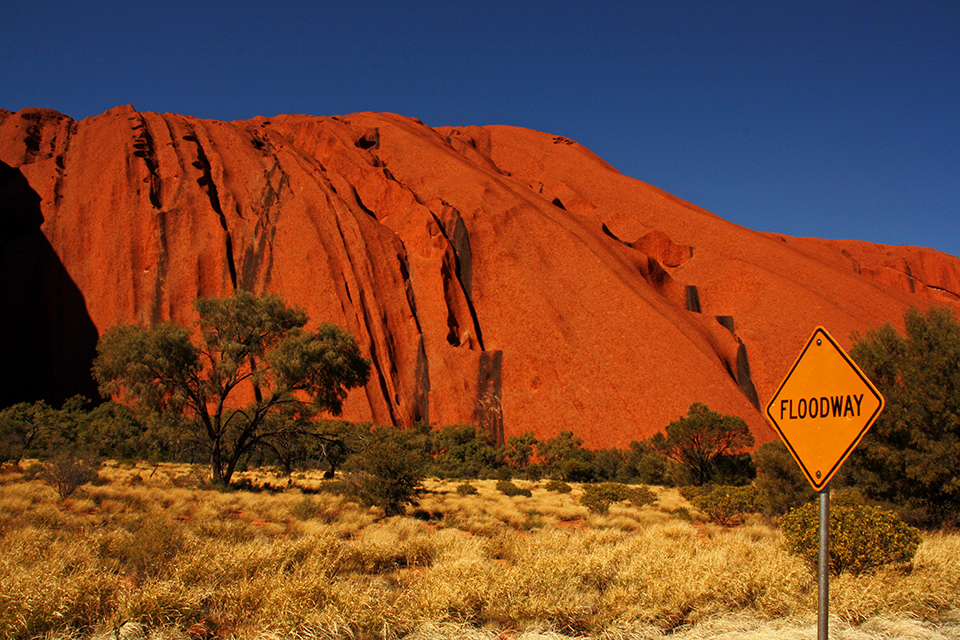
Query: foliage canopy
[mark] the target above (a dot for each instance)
(388, 469)
(248, 378)
(780, 481)
(701, 439)
(911, 456)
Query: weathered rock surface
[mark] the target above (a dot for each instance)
(493, 275)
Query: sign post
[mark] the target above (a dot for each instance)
(823, 567)
(822, 409)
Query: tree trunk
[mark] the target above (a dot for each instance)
(216, 464)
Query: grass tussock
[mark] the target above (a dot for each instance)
(148, 556)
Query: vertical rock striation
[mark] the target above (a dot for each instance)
(494, 275)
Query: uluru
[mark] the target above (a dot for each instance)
(493, 275)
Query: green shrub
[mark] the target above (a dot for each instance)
(467, 489)
(704, 438)
(727, 505)
(691, 491)
(862, 537)
(465, 451)
(558, 486)
(507, 487)
(639, 496)
(533, 472)
(503, 473)
(66, 472)
(780, 481)
(576, 470)
(598, 497)
(643, 463)
(388, 471)
(738, 469)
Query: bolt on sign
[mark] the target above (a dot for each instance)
(823, 407)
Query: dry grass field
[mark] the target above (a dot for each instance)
(147, 554)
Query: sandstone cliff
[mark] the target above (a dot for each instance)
(493, 275)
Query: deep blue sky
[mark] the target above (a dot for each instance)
(834, 118)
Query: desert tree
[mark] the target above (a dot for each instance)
(41, 431)
(387, 469)
(701, 439)
(911, 456)
(464, 451)
(643, 464)
(780, 480)
(68, 470)
(323, 442)
(247, 376)
(21, 429)
(520, 449)
(564, 457)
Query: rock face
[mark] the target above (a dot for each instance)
(493, 275)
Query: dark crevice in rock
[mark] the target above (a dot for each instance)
(453, 329)
(742, 375)
(403, 260)
(455, 230)
(453, 324)
(144, 149)
(346, 251)
(259, 141)
(950, 294)
(61, 163)
(656, 275)
(381, 379)
(421, 409)
(31, 142)
(163, 260)
(34, 133)
(606, 231)
(727, 323)
(369, 140)
(488, 408)
(693, 299)
(363, 207)
(913, 281)
(458, 236)
(744, 380)
(207, 183)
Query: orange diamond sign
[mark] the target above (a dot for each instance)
(823, 407)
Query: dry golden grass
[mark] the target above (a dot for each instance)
(147, 556)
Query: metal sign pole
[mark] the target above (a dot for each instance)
(823, 577)
(814, 413)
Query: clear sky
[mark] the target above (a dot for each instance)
(827, 118)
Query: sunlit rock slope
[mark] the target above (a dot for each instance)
(493, 275)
